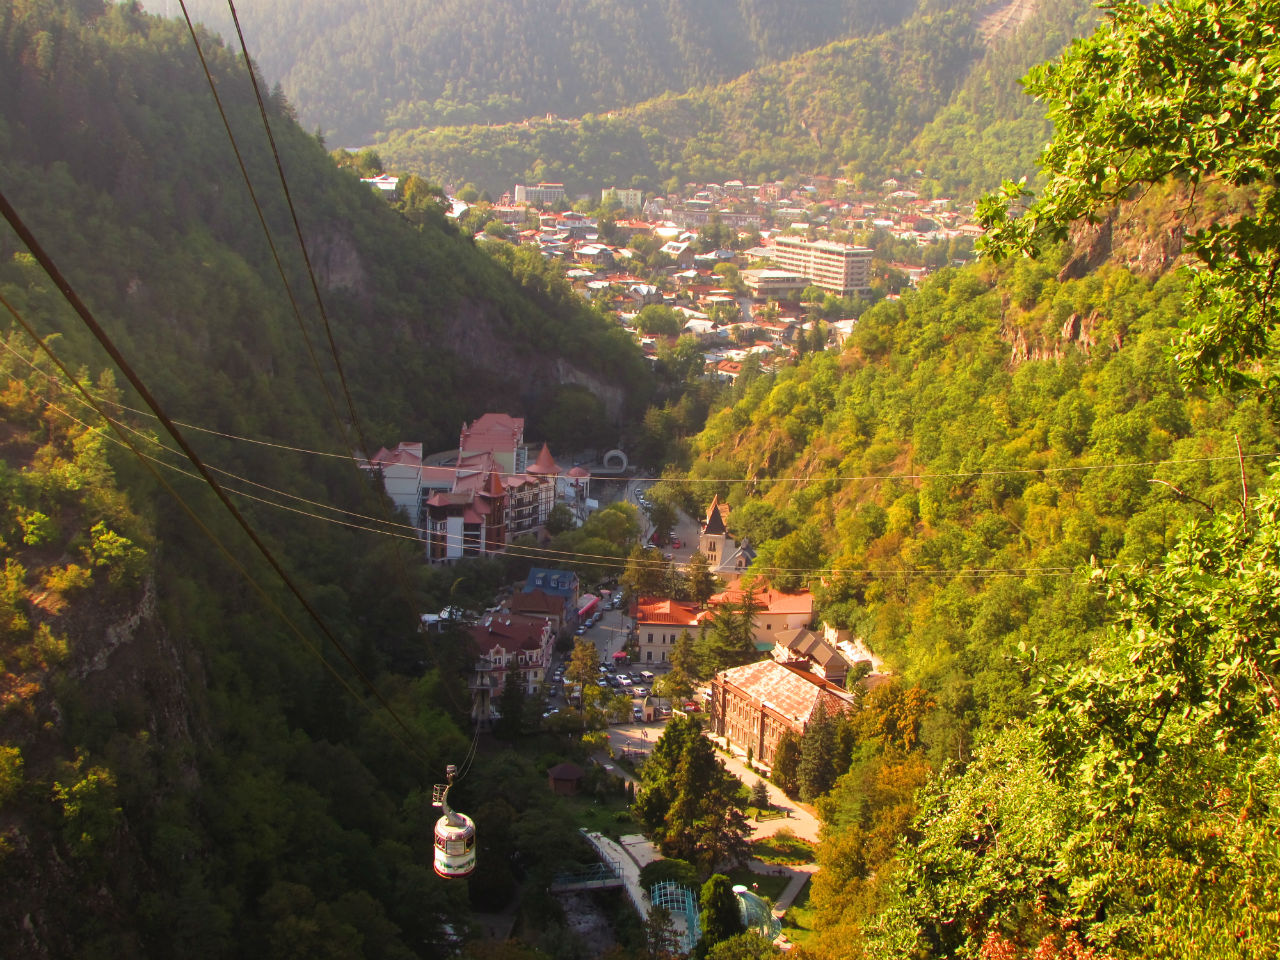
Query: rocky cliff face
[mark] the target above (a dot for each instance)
(124, 672)
(474, 332)
(1148, 233)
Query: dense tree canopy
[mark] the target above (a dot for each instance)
(689, 804)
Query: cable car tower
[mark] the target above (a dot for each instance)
(455, 849)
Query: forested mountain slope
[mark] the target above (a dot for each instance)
(356, 68)
(1048, 498)
(181, 772)
(931, 93)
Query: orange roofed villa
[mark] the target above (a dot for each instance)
(659, 624)
(476, 502)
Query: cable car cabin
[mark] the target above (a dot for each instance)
(455, 848)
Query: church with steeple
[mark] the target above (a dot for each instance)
(725, 556)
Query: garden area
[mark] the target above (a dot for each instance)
(784, 847)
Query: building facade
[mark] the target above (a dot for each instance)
(839, 268)
(548, 193)
(752, 706)
(502, 644)
(775, 612)
(659, 624)
(628, 198)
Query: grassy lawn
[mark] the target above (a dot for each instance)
(798, 923)
(782, 848)
(611, 817)
(768, 886)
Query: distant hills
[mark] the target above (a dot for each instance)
(658, 92)
(355, 68)
(938, 92)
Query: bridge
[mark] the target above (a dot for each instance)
(598, 876)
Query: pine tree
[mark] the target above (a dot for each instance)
(817, 769)
(786, 763)
(688, 803)
(721, 916)
(701, 582)
(511, 705)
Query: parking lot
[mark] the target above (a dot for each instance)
(609, 634)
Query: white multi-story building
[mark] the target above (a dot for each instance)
(839, 268)
(540, 194)
(630, 199)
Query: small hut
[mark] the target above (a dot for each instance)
(565, 778)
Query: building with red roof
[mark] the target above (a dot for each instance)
(776, 612)
(753, 705)
(659, 623)
(499, 434)
(504, 642)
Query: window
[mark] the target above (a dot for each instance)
(650, 657)
(650, 638)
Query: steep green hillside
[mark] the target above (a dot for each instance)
(972, 447)
(1049, 501)
(191, 767)
(357, 68)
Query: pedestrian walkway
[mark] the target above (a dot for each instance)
(629, 869)
(798, 876)
(800, 818)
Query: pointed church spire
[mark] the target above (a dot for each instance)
(715, 522)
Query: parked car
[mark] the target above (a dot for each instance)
(677, 542)
(637, 714)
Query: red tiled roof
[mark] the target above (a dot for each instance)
(510, 631)
(544, 465)
(768, 600)
(536, 602)
(404, 453)
(652, 610)
(493, 431)
(436, 476)
(792, 692)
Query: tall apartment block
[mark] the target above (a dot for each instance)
(839, 268)
(542, 193)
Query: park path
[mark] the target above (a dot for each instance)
(800, 818)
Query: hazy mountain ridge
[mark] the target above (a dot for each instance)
(931, 94)
(353, 69)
